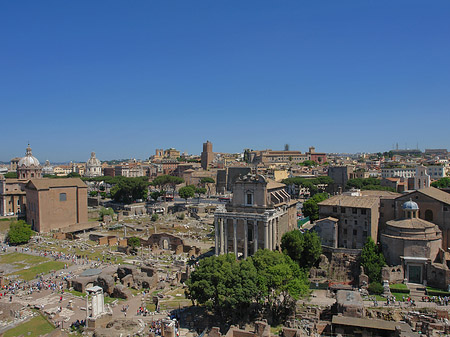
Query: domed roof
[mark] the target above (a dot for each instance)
(29, 159)
(410, 205)
(93, 161)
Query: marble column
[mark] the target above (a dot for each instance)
(266, 235)
(245, 238)
(255, 236)
(216, 226)
(225, 236)
(235, 248)
(222, 251)
(270, 223)
(274, 233)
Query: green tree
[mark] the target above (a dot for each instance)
(441, 183)
(93, 193)
(224, 285)
(187, 192)
(311, 207)
(155, 195)
(303, 248)
(127, 190)
(280, 282)
(19, 232)
(11, 175)
(106, 211)
(134, 242)
(154, 217)
(372, 260)
(199, 191)
(73, 175)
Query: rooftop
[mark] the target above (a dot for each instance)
(351, 201)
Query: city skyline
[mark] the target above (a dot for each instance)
(124, 79)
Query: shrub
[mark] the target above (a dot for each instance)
(154, 217)
(19, 233)
(376, 288)
(180, 216)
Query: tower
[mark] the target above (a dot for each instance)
(207, 155)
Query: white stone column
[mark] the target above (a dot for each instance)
(245, 238)
(235, 248)
(255, 236)
(221, 237)
(274, 233)
(266, 235)
(225, 236)
(87, 307)
(270, 223)
(216, 226)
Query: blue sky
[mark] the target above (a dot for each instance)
(125, 77)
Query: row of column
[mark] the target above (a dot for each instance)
(221, 237)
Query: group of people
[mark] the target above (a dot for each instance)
(439, 300)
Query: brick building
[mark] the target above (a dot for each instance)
(56, 204)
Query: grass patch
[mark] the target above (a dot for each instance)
(275, 330)
(398, 286)
(151, 307)
(46, 267)
(437, 292)
(20, 257)
(171, 305)
(37, 326)
(76, 293)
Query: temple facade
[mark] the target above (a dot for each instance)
(260, 212)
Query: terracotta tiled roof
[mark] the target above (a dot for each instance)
(44, 184)
(349, 201)
(436, 193)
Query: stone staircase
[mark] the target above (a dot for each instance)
(417, 291)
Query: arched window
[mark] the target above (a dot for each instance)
(429, 215)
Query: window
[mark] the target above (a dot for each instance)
(18, 203)
(345, 221)
(62, 197)
(356, 222)
(355, 232)
(335, 209)
(445, 209)
(364, 234)
(342, 209)
(363, 211)
(345, 231)
(354, 210)
(249, 199)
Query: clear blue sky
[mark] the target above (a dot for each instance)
(125, 77)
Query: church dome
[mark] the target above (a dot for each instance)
(410, 206)
(93, 161)
(29, 160)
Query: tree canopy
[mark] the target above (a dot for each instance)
(19, 233)
(441, 183)
(372, 260)
(367, 184)
(268, 280)
(134, 242)
(187, 192)
(311, 207)
(12, 175)
(303, 248)
(130, 189)
(314, 185)
(106, 211)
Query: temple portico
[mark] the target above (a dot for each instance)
(258, 215)
(244, 233)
